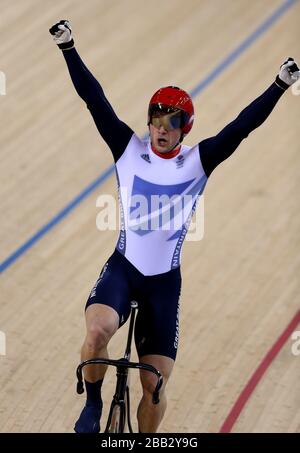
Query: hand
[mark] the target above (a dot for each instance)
(62, 34)
(289, 73)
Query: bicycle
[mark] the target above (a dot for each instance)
(119, 414)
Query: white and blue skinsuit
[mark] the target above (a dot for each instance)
(145, 265)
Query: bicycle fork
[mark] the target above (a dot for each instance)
(119, 414)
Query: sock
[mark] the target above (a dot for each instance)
(93, 393)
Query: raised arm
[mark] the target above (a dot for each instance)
(114, 131)
(215, 150)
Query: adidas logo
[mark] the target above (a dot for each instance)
(146, 158)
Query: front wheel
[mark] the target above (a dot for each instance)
(117, 420)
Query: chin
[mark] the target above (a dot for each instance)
(162, 149)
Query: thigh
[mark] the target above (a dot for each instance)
(101, 319)
(157, 324)
(112, 290)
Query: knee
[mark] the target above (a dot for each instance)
(97, 336)
(149, 382)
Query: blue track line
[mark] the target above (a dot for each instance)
(216, 72)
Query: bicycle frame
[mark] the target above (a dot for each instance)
(120, 406)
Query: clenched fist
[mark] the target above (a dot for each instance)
(289, 73)
(62, 34)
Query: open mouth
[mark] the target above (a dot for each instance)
(162, 141)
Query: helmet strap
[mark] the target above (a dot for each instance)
(175, 146)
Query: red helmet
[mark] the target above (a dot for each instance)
(169, 99)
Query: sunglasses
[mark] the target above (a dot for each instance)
(169, 121)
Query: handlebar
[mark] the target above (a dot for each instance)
(122, 363)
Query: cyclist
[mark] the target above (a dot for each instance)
(146, 262)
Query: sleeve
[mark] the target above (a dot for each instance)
(215, 150)
(115, 133)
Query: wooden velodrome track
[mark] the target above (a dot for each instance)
(241, 282)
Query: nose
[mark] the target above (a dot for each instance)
(162, 129)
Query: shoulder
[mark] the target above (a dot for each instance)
(135, 146)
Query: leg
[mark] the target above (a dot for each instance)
(150, 415)
(156, 339)
(107, 303)
(102, 322)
